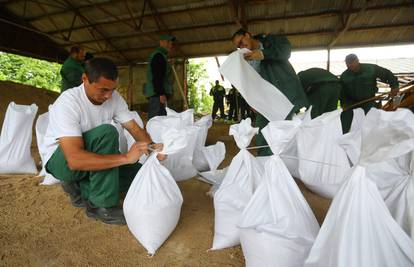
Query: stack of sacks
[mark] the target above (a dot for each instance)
(41, 127)
(322, 162)
(16, 138)
(152, 205)
(241, 180)
(214, 155)
(278, 227)
(199, 160)
(358, 229)
(179, 164)
(393, 177)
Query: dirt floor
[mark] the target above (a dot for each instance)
(39, 226)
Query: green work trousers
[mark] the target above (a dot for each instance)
(324, 98)
(102, 187)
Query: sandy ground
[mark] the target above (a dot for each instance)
(39, 227)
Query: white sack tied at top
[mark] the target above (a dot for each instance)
(16, 139)
(214, 155)
(322, 162)
(241, 180)
(187, 116)
(152, 205)
(359, 230)
(42, 123)
(278, 227)
(199, 161)
(258, 93)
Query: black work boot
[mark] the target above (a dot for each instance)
(73, 190)
(113, 215)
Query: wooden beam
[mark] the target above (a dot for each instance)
(72, 24)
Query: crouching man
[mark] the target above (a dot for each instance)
(83, 147)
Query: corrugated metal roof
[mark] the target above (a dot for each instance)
(125, 31)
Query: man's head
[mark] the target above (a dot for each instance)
(244, 39)
(100, 80)
(217, 82)
(77, 53)
(352, 62)
(167, 41)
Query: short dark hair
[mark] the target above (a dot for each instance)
(217, 81)
(240, 31)
(101, 67)
(75, 49)
(351, 57)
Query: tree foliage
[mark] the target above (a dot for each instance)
(198, 97)
(30, 71)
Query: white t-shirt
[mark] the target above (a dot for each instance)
(73, 114)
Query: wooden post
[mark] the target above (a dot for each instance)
(130, 89)
(180, 87)
(328, 63)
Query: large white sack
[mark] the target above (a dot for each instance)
(187, 116)
(158, 125)
(400, 198)
(258, 93)
(242, 178)
(213, 155)
(278, 227)
(358, 229)
(199, 161)
(322, 162)
(42, 123)
(152, 205)
(290, 153)
(16, 138)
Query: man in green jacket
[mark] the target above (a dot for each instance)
(359, 82)
(322, 88)
(218, 92)
(158, 88)
(269, 56)
(72, 69)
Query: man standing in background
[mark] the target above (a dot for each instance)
(159, 88)
(218, 92)
(269, 56)
(72, 69)
(359, 82)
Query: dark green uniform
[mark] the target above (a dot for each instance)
(218, 92)
(362, 85)
(71, 73)
(322, 88)
(276, 69)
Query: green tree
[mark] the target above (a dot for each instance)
(197, 95)
(30, 71)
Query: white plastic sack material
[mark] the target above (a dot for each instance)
(180, 164)
(242, 178)
(41, 127)
(278, 227)
(259, 93)
(322, 162)
(199, 161)
(187, 116)
(213, 155)
(152, 205)
(400, 199)
(122, 140)
(16, 138)
(290, 154)
(358, 229)
(160, 124)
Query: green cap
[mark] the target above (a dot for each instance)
(167, 37)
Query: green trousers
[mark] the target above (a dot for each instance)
(324, 98)
(102, 187)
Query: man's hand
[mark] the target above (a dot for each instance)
(254, 55)
(163, 99)
(158, 147)
(394, 92)
(136, 151)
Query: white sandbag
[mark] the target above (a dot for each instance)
(187, 116)
(400, 198)
(322, 162)
(199, 161)
(278, 227)
(242, 178)
(42, 123)
(16, 139)
(180, 164)
(258, 93)
(152, 205)
(213, 155)
(359, 230)
(158, 125)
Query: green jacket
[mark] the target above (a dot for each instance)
(167, 88)
(314, 77)
(276, 69)
(218, 92)
(363, 84)
(71, 73)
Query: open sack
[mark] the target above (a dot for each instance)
(278, 227)
(16, 139)
(358, 229)
(152, 205)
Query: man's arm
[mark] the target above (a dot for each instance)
(387, 76)
(279, 48)
(80, 159)
(140, 135)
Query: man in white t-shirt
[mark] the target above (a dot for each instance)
(83, 147)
